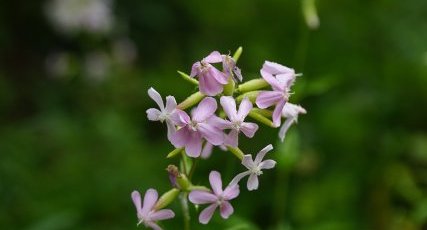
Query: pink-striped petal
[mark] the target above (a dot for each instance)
(193, 147)
(216, 182)
(206, 215)
(226, 209)
(156, 97)
(181, 137)
(205, 109)
(150, 199)
(277, 113)
(249, 129)
(209, 85)
(213, 135)
(262, 153)
(202, 197)
(229, 105)
(231, 192)
(268, 98)
(214, 57)
(162, 215)
(252, 182)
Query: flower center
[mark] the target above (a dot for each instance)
(236, 125)
(256, 170)
(193, 125)
(163, 116)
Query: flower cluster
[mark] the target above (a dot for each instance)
(199, 123)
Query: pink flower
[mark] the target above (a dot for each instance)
(202, 125)
(146, 212)
(217, 198)
(281, 79)
(211, 80)
(165, 113)
(290, 111)
(254, 168)
(236, 120)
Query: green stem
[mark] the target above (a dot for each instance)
(261, 119)
(193, 168)
(236, 151)
(188, 78)
(185, 210)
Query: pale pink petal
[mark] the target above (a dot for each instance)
(205, 109)
(252, 182)
(284, 129)
(262, 153)
(275, 68)
(202, 197)
(150, 199)
(216, 182)
(156, 97)
(136, 198)
(162, 215)
(247, 161)
(170, 104)
(180, 118)
(213, 57)
(226, 209)
(238, 177)
(153, 225)
(207, 150)
(277, 113)
(270, 79)
(244, 108)
(231, 192)
(232, 138)
(194, 145)
(213, 135)
(206, 215)
(286, 79)
(209, 85)
(267, 164)
(219, 76)
(249, 129)
(217, 122)
(229, 105)
(238, 73)
(171, 129)
(181, 137)
(268, 98)
(153, 114)
(195, 69)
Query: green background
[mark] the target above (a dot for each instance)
(72, 150)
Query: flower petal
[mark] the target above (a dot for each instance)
(248, 162)
(205, 109)
(238, 177)
(213, 135)
(162, 215)
(275, 68)
(277, 113)
(180, 118)
(229, 105)
(219, 76)
(262, 153)
(209, 85)
(156, 97)
(206, 214)
(195, 69)
(153, 114)
(226, 209)
(249, 129)
(268, 98)
(270, 79)
(181, 137)
(231, 192)
(136, 198)
(207, 150)
(202, 197)
(150, 199)
(284, 129)
(267, 164)
(213, 57)
(216, 182)
(193, 147)
(252, 182)
(217, 122)
(153, 225)
(232, 138)
(244, 108)
(170, 104)
(171, 128)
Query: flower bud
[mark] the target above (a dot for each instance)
(166, 198)
(252, 85)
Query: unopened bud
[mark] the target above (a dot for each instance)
(166, 198)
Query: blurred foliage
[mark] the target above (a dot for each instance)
(75, 141)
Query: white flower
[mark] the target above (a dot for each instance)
(290, 112)
(165, 113)
(254, 168)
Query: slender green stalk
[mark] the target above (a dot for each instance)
(236, 151)
(193, 168)
(185, 210)
(174, 152)
(261, 119)
(188, 78)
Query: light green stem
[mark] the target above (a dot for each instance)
(188, 78)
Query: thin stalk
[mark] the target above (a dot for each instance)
(185, 210)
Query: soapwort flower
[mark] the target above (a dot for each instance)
(290, 112)
(165, 113)
(203, 124)
(217, 198)
(146, 213)
(236, 120)
(254, 167)
(211, 80)
(281, 79)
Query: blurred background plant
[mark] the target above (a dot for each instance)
(75, 141)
